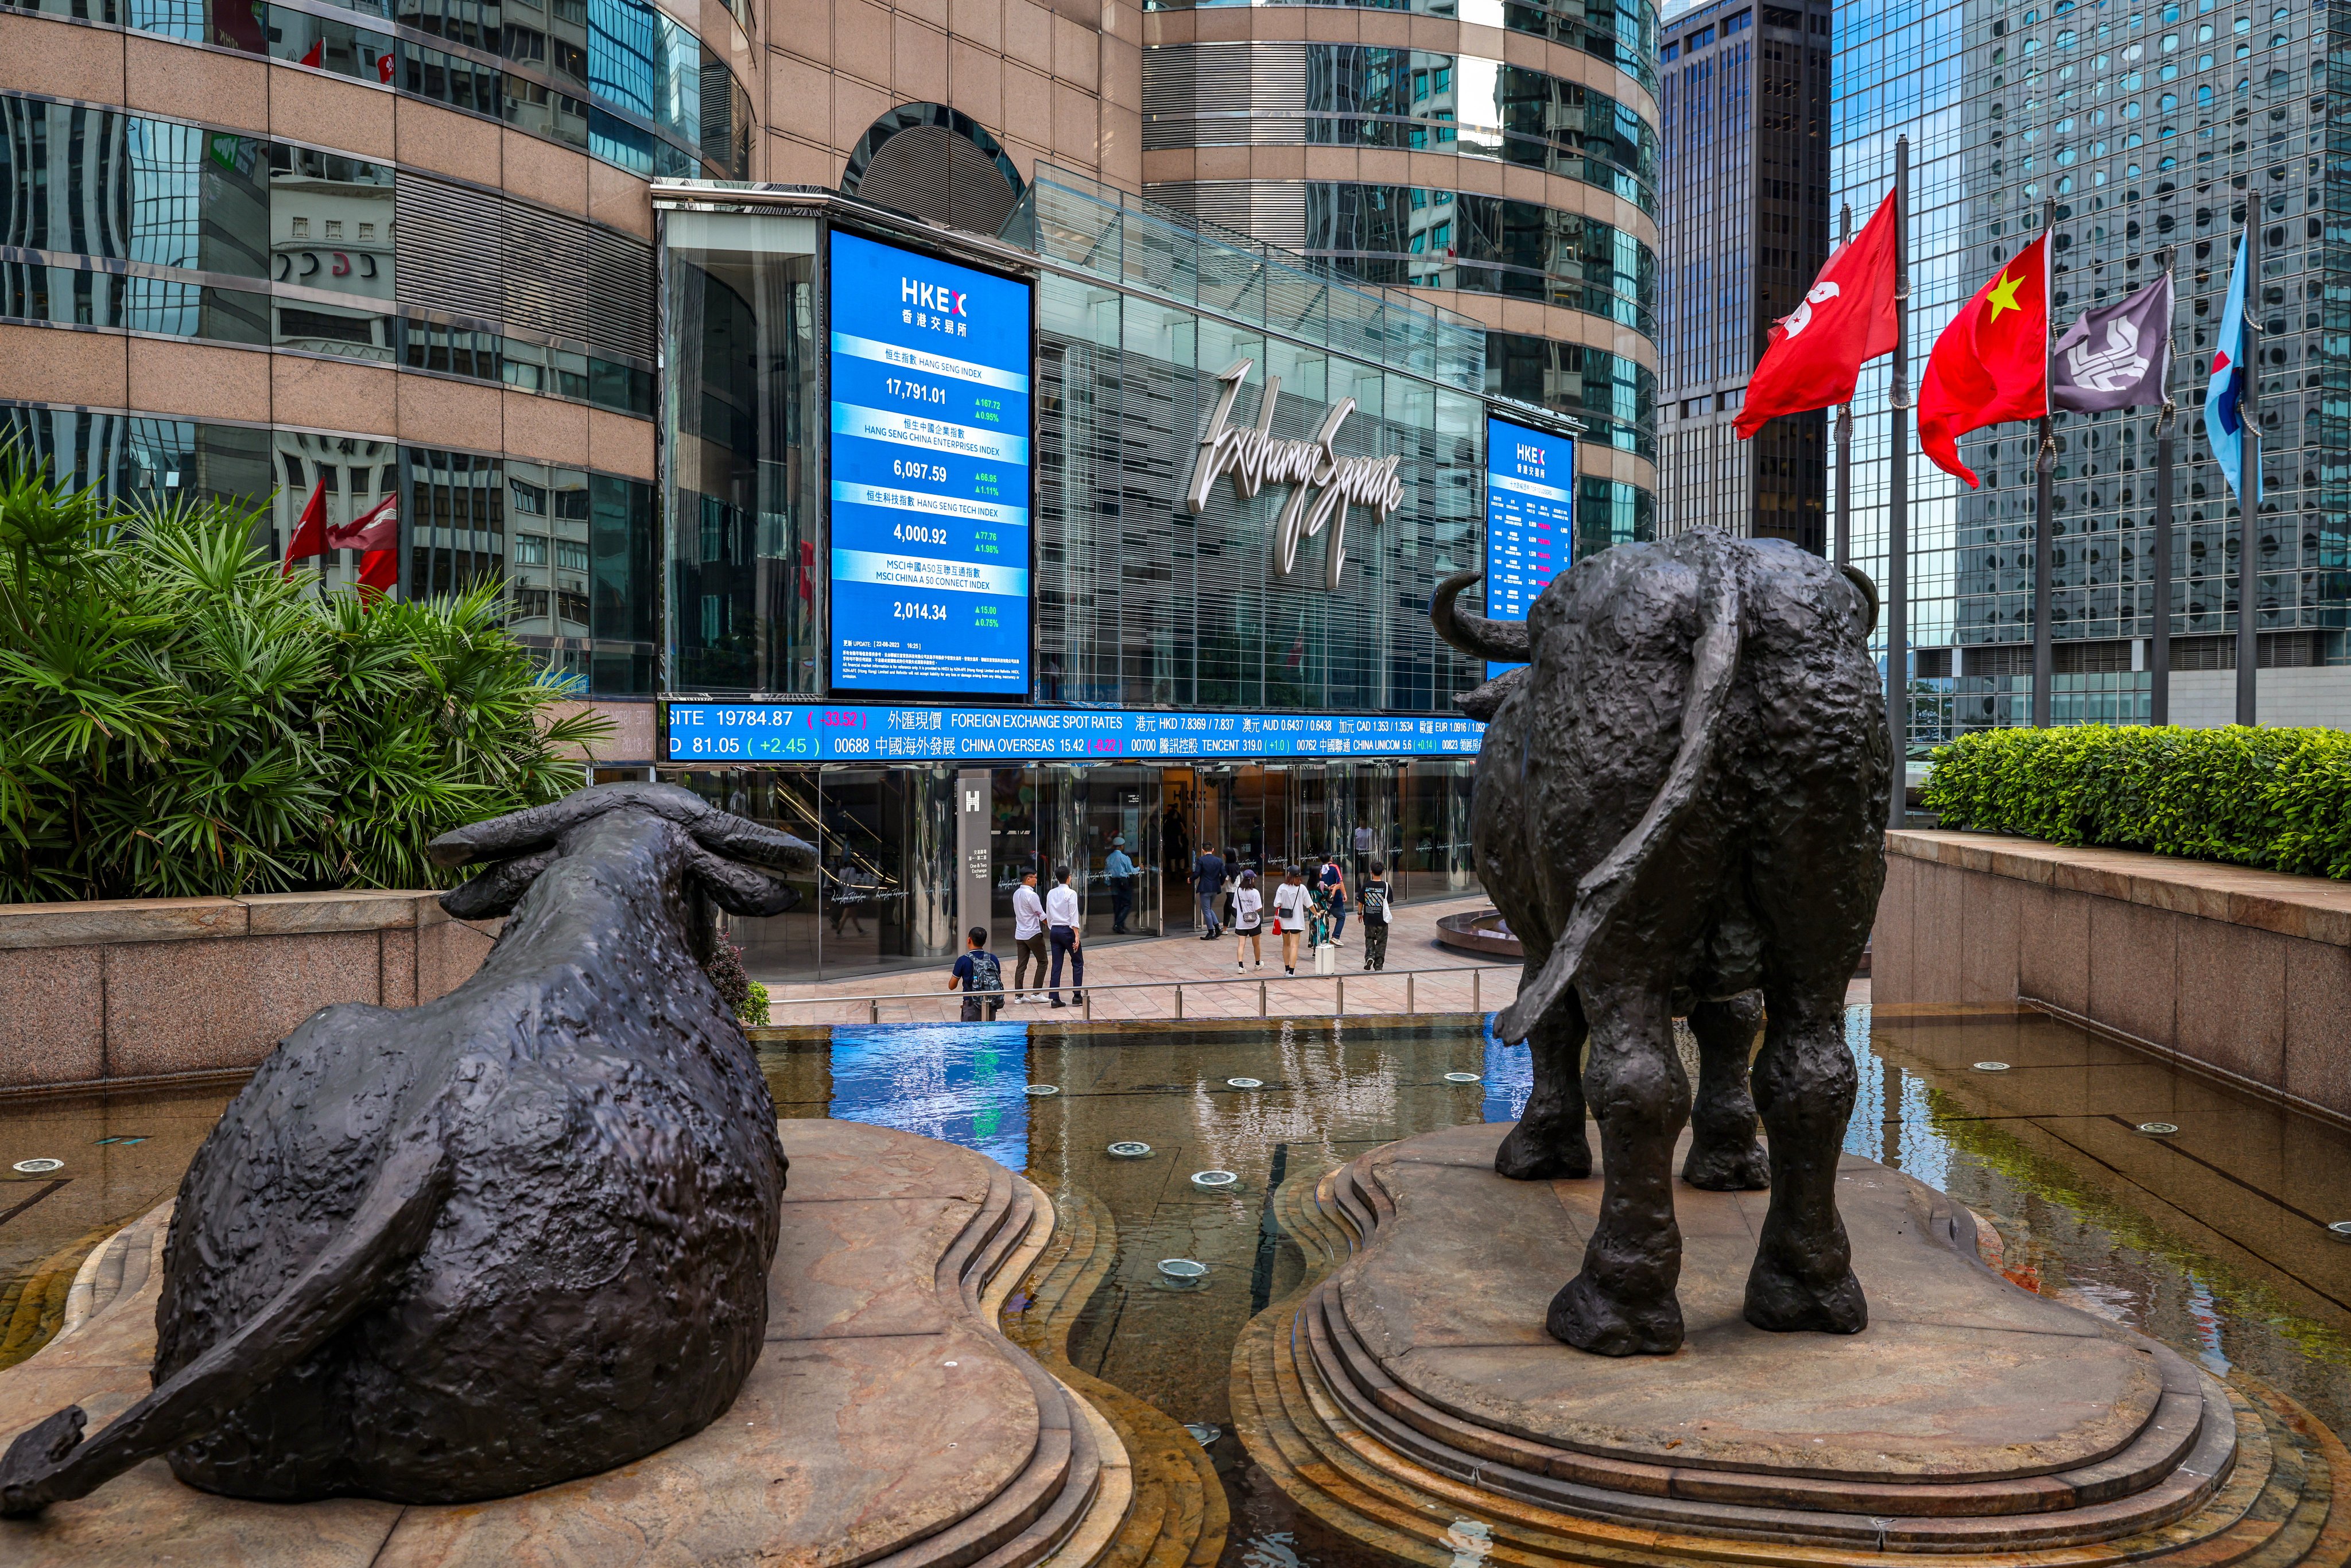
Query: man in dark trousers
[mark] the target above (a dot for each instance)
(1208, 880)
(980, 977)
(1377, 901)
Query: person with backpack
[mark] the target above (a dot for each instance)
(1375, 905)
(979, 974)
(1334, 897)
(1249, 922)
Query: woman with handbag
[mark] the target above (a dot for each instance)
(1249, 922)
(1292, 904)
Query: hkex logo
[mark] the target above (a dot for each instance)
(933, 296)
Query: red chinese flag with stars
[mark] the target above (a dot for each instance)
(1844, 320)
(1992, 363)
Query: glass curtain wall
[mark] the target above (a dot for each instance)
(746, 589)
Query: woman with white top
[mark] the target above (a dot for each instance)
(1249, 921)
(1291, 903)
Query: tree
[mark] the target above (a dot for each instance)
(178, 720)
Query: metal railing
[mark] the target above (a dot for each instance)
(1409, 976)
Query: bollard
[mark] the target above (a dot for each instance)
(1476, 976)
(1179, 1003)
(1407, 995)
(1089, 1005)
(873, 1009)
(1260, 999)
(1342, 996)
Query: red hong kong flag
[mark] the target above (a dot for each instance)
(1845, 320)
(375, 534)
(311, 534)
(317, 55)
(1992, 363)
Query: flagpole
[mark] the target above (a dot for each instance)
(1897, 509)
(2249, 473)
(2158, 661)
(2044, 652)
(1844, 446)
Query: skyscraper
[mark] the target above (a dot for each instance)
(2150, 127)
(1497, 157)
(1744, 91)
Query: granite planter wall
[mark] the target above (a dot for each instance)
(2244, 976)
(108, 992)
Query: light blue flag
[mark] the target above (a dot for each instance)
(2232, 363)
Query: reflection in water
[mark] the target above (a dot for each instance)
(2212, 1241)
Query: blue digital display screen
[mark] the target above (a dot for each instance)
(930, 474)
(1530, 517)
(727, 733)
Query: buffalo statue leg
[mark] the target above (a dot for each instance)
(1549, 1143)
(1804, 1083)
(1623, 1302)
(1724, 1156)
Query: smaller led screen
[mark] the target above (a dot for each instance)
(1530, 517)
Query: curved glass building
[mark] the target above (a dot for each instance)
(1501, 157)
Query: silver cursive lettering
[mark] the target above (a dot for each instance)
(1323, 484)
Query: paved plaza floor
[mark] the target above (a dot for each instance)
(1461, 983)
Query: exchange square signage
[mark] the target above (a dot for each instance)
(1325, 485)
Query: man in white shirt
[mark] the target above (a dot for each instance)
(1061, 915)
(1027, 935)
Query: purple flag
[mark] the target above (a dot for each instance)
(2117, 357)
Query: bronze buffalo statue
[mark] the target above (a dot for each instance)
(1680, 801)
(514, 1236)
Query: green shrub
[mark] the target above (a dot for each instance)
(177, 719)
(2277, 799)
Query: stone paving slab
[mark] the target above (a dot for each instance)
(882, 1412)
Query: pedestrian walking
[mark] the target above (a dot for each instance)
(1028, 935)
(1334, 896)
(1249, 922)
(1119, 867)
(979, 974)
(1376, 905)
(1207, 878)
(1233, 876)
(1291, 905)
(1062, 917)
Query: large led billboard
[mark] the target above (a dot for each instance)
(1530, 517)
(930, 474)
(800, 732)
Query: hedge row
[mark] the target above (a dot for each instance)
(2276, 798)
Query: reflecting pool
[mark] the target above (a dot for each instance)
(2211, 1237)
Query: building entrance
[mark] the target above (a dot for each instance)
(1414, 818)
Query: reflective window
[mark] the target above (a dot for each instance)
(1247, 94)
(1622, 32)
(120, 202)
(614, 77)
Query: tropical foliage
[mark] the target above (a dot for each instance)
(2278, 798)
(178, 720)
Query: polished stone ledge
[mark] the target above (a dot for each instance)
(116, 991)
(2237, 975)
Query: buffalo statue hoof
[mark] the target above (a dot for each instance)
(1582, 1316)
(1535, 1155)
(28, 1472)
(1728, 1167)
(1783, 1303)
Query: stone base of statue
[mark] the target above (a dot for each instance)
(1411, 1400)
(887, 1420)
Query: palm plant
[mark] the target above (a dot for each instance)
(177, 718)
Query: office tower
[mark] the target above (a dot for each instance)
(2147, 128)
(1744, 172)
